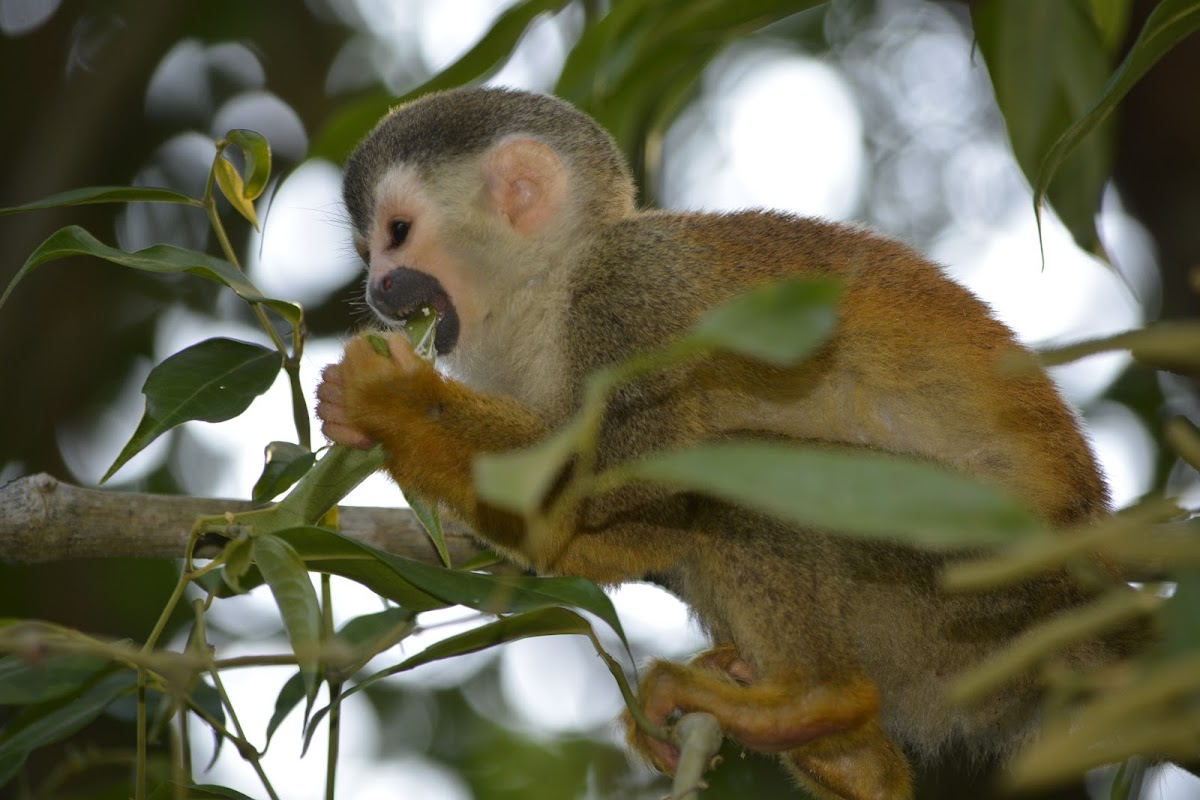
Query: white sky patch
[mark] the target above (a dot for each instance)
(1125, 450)
(304, 251)
(773, 130)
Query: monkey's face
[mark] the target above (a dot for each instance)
(408, 266)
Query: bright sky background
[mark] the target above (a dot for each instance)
(774, 127)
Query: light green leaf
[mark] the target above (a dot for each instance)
(296, 598)
(256, 151)
(519, 480)
(427, 514)
(230, 183)
(212, 381)
(781, 322)
(846, 491)
(105, 194)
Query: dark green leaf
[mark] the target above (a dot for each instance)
(256, 151)
(205, 791)
(1048, 62)
(847, 491)
(22, 683)
(9, 764)
(43, 724)
(780, 323)
(326, 551)
(212, 381)
(285, 464)
(289, 697)
(1183, 616)
(296, 598)
(75, 241)
(1169, 23)
(345, 130)
(519, 480)
(538, 622)
(490, 593)
(105, 194)
(368, 630)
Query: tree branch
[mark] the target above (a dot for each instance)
(43, 519)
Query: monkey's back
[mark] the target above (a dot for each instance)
(916, 365)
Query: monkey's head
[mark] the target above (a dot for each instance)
(462, 197)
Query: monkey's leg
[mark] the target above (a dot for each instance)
(861, 763)
(834, 743)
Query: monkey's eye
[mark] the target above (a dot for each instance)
(399, 232)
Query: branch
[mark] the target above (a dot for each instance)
(42, 519)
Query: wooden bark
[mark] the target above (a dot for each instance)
(43, 519)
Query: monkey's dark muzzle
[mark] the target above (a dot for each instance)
(403, 291)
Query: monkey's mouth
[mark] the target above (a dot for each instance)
(403, 292)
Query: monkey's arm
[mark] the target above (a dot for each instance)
(431, 427)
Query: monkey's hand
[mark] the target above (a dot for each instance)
(829, 737)
(431, 427)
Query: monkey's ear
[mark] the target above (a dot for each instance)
(526, 183)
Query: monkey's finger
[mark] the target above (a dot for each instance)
(347, 435)
(403, 354)
(357, 349)
(331, 391)
(332, 374)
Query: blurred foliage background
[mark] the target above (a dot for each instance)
(120, 91)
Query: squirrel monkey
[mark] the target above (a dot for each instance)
(512, 214)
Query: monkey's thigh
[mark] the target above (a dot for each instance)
(861, 763)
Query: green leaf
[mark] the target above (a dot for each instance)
(333, 477)
(205, 791)
(634, 69)
(1048, 62)
(538, 622)
(230, 183)
(328, 551)
(431, 521)
(165, 259)
(43, 724)
(9, 764)
(239, 558)
(342, 133)
(781, 322)
(847, 491)
(520, 479)
(256, 151)
(1183, 616)
(286, 463)
(296, 598)
(369, 630)
(212, 381)
(105, 194)
(24, 683)
(289, 697)
(1169, 23)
